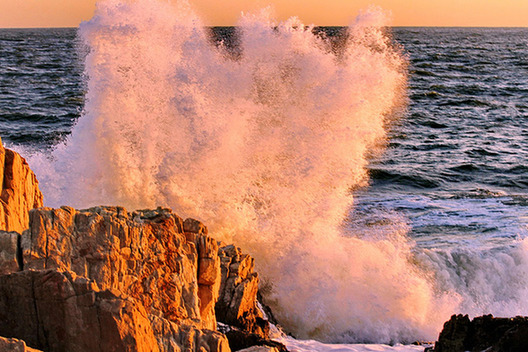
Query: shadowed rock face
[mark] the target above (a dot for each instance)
(10, 260)
(237, 304)
(484, 333)
(20, 191)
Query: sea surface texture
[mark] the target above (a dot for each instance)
(456, 163)
(41, 87)
(378, 177)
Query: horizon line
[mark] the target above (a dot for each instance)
(390, 26)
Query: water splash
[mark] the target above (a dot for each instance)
(264, 149)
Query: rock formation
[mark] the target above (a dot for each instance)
(484, 333)
(237, 305)
(15, 345)
(20, 191)
(105, 279)
(144, 254)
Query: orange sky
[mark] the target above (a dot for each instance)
(69, 13)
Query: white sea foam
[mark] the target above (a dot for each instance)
(316, 346)
(264, 149)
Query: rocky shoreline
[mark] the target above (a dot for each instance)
(105, 279)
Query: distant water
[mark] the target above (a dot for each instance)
(456, 164)
(445, 210)
(41, 89)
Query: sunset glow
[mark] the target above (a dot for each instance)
(474, 13)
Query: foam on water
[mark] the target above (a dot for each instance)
(294, 345)
(264, 149)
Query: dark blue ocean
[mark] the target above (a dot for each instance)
(455, 163)
(453, 169)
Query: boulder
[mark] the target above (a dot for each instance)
(483, 333)
(20, 191)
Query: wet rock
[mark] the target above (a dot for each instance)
(485, 333)
(240, 340)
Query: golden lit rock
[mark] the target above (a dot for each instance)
(20, 191)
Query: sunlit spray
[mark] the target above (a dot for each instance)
(264, 148)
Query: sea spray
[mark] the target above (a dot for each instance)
(264, 148)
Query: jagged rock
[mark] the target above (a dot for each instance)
(208, 278)
(9, 253)
(104, 279)
(176, 274)
(194, 226)
(483, 333)
(15, 345)
(144, 254)
(20, 191)
(237, 304)
(239, 340)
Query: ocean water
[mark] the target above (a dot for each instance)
(377, 175)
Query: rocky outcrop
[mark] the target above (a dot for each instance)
(58, 311)
(485, 333)
(144, 254)
(237, 304)
(20, 191)
(146, 278)
(105, 279)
